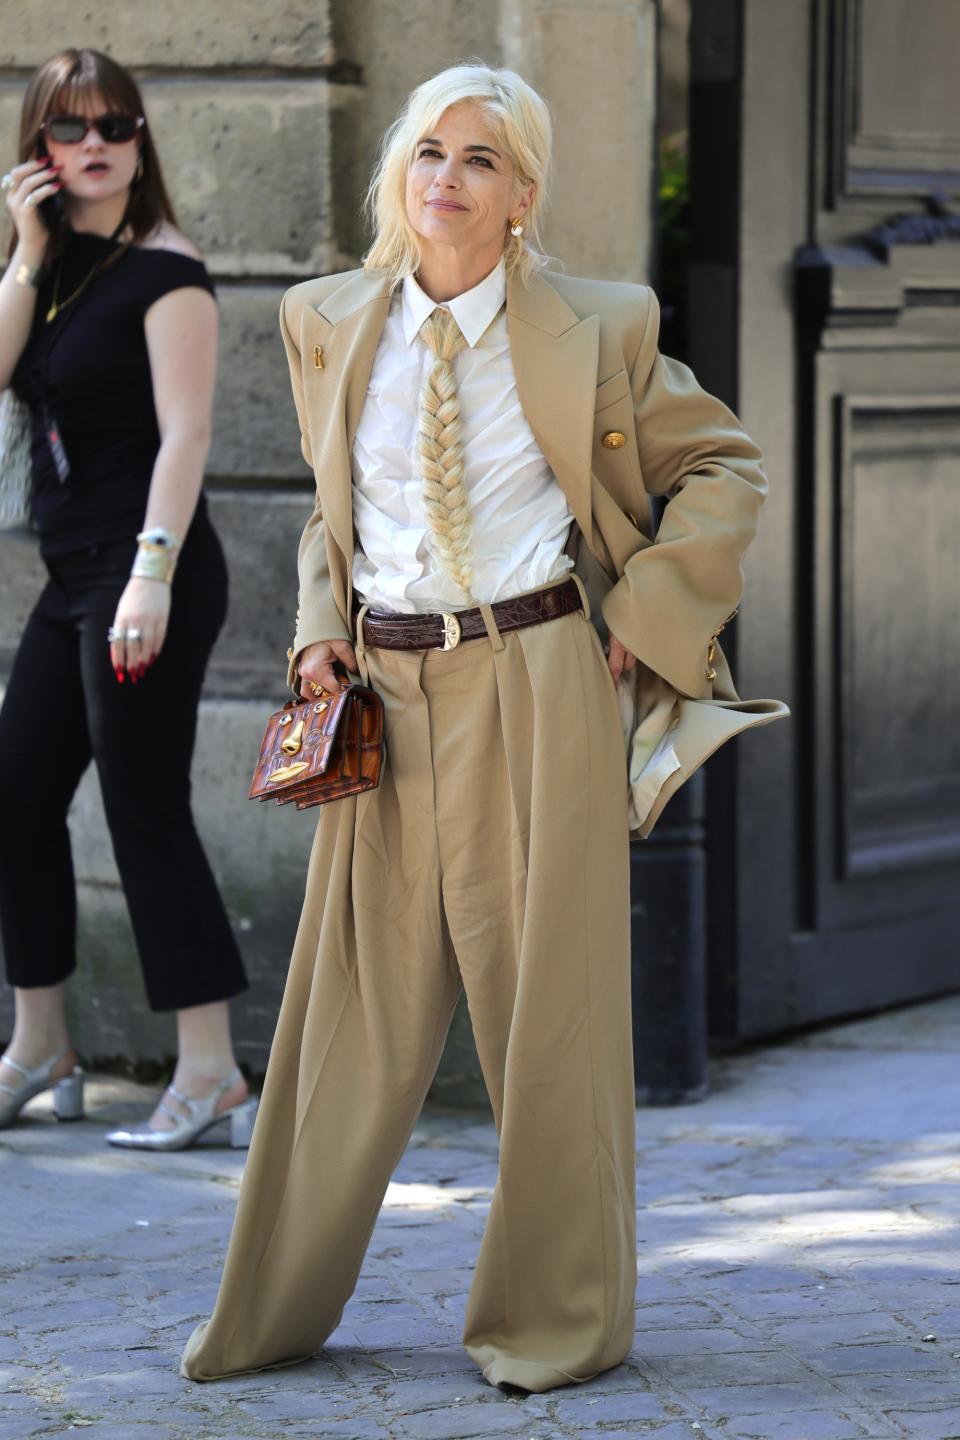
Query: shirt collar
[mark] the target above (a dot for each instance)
(474, 310)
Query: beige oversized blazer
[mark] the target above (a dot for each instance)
(587, 367)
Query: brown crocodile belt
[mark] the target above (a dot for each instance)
(445, 631)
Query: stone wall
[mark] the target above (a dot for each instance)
(267, 121)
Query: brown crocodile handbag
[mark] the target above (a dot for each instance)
(320, 750)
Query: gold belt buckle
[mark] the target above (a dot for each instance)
(451, 631)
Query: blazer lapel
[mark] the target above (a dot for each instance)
(346, 329)
(555, 356)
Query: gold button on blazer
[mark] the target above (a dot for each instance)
(617, 422)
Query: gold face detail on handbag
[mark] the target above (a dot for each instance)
(321, 750)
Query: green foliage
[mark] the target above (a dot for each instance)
(673, 193)
(674, 188)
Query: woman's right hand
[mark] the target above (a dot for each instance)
(33, 181)
(316, 662)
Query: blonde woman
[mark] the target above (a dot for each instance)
(484, 434)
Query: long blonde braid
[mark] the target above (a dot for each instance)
(440, 446)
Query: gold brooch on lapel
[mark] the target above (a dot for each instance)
(614, 440)
(318, 357)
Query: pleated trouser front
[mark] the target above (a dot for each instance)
(493, 854)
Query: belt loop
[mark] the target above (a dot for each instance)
(583, 593)
(359, 647)
(359, 644)
(496, 639)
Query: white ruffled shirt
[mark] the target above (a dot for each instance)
(521, 516)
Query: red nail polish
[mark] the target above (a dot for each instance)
(119, 674)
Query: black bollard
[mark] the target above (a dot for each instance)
(668, 954)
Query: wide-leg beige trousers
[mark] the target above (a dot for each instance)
(494, 853)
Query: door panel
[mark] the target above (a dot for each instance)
(891, 117)
(887, 662)
(834, 843)
(898, 586)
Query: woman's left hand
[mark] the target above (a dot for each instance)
(619, 658)
(145, 608)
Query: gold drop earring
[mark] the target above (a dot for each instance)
(516, 226)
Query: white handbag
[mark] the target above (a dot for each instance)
(16, 472)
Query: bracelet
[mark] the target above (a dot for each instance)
(157, 552)
(25, 276)
(159, 538)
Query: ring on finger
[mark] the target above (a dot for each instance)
(135, 635)
(115, 633)
(7, 182)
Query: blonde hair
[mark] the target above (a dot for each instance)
(440, 446)
(520, 119)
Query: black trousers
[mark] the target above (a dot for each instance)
(63, 706)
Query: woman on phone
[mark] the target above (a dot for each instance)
(108, 330)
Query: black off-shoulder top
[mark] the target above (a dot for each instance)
(87, 373)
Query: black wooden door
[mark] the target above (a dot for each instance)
(825, 304)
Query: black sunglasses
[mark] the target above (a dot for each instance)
(114, 129)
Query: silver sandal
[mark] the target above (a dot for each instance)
(201, 1116)
(67, 1091)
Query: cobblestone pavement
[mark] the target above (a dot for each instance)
(798, 1250)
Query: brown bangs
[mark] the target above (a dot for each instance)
(72, 97)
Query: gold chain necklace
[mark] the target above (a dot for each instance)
(56, 304)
